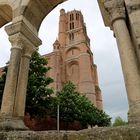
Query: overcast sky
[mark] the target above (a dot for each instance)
(103, 46)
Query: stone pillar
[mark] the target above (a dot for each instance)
(12, 76)
(23, 42)
(116, 10)
(133, 12)
(20, 100)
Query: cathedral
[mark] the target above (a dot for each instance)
(72, 59)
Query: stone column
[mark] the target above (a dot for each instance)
(19, 108)
(133, 12)
(7, 122)
(12, 76)
(23, 41)
(116, 10)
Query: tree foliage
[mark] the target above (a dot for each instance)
(38, 95)
(119, 121)
(74, 107)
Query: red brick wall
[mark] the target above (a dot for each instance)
(49, 124)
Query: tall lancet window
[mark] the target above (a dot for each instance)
(77, 16)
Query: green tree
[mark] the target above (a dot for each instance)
(38, 93)
(119, 121)
(74, 107)
(38, 96)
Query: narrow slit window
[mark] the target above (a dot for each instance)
(72, 25)
(72, 36)
(72, 16)
(69, 36)
(77, 16)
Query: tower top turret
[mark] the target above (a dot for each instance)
(56, 45)
(62, 11)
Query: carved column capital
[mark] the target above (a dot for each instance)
(132, 6)
(21, 30)
(115, 9)
(28, 49)
(22, 43)
(16, 41)
(21, 37)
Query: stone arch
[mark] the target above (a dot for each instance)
(73, 71)
(74, 62)
(39, 10)
(6, 13)
(114, 12)
(30, 14)
(44, 7)
(76, 48)
(72, 52)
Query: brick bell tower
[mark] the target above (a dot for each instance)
(72, 59)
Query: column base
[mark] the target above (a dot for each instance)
(134, 113)
(12, 124)
(134, 119)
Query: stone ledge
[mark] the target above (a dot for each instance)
(110, 133)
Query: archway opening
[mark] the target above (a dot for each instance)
(104, 48)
